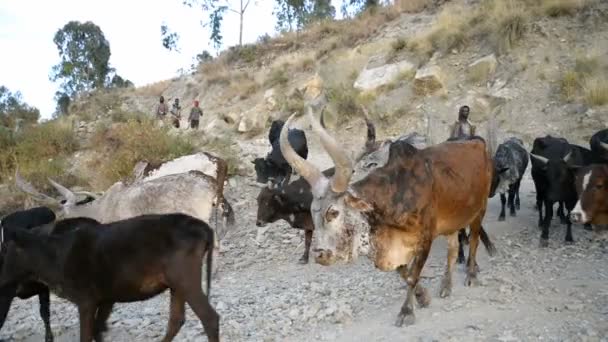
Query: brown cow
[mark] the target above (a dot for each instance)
(592, 189)
(404, 205)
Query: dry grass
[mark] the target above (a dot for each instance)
(556, 8)
(131, 142)
(227, 148)
(595, 90)
(413, 6)
(499, 23)
(277, 77)
(40, 151)
(569, 86)
(306, 64)
(153, 89)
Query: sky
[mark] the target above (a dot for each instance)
(132, 27)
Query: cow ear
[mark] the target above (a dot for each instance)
(354, 201)
(279, 199)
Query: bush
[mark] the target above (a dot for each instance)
(557, 8)
(40, 152)
(596, 91)
(277, 76)
(345, 100)
(134, 141)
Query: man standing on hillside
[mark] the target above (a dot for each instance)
(463, 127)
(195, 115)
(176, 111)
(161, 108)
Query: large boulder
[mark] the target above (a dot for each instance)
(482, 69)
(374, 76)
(428, 80)
(312, 88)
(254, 119)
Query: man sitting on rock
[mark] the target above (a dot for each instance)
(463, 127)
(195, 115)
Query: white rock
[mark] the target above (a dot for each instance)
(374, 77)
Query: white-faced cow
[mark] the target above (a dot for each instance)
(403, 205)
(510, 163)
(592, 189)
(554, 163)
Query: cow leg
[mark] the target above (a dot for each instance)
(539, 205)
(177, 315)
(422, 294)
(511, 200)
(216, 256)
(462, 240)
(544, 236)
(186, 279)
(472, 268)
(406, 315)
(503, 201)
(101, 317)
(569, 239)
(446, 283)
(517, 202)
(44, 301)
(6, 298)
(307, 242)
(560, 213)
(86, 314)
(587, 226)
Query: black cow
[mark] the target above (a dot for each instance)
(9, 225)
(510, 163)
(554, 162)
(274, 168)
(292, 204)
(96, 265)
(599, 146)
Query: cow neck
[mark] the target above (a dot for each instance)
(49, 257)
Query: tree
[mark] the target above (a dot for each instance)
(216, 10)
(358, 5)
(169, 39)
(63, 104)
(13, 109)
(85, 55)
(299, 13)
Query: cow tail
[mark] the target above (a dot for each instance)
(485, 239)
(210, 247)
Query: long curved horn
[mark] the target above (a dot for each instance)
(344, 169)
(323, 117)
(308, 171)
(604, 145)
(70, 197)
(568, 156)
(87, 193)
(539, 158)
(29, 189)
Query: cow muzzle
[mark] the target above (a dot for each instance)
(578, 217)
(324, 257)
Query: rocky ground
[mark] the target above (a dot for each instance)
(559, 293)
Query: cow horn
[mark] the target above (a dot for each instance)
(539, 158)
(344, 169)
(323, 117)
(568, 156)
(604, 145)
(306, 169)
(29, 189)
(70, 197)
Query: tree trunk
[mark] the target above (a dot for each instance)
(241, 12)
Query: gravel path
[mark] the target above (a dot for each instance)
(559, 293)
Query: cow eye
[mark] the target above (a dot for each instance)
(599, 186)
(331, 214)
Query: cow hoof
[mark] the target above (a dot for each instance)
(472, 281)
(501, 218)
(517, 206)
(47, 338)
(569, 242)
(446, 291)
(544, 243)
(422, 297)
(460, 259)
(513, 214)
(303, 261)
(406, 319)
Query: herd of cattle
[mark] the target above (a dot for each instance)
(389, 202)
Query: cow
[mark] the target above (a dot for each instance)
(553, 172)
(273, 169)
(510, 164)
(94, 266)
(18, 220)
(193, 193)
(291, 202)
(403, 206)
(592, 190)
(599, 146)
